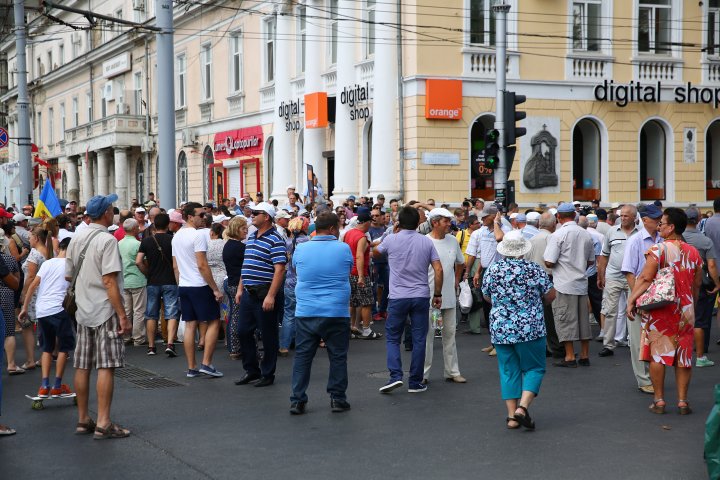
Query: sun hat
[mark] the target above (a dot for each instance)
(299, 224)
(514, 245)
(176, 217)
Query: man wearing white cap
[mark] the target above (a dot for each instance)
(452, 261)
(282, 219)
(21, 222)
(531, 228)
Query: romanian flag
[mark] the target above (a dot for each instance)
(48, 205)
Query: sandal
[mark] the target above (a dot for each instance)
(5, 430)
(525, 419)
(28, 366)
(656, 407)
(512, 419)
(684, 410)
(16, 371)
(85, 428)
(201, 348)
(111, 431)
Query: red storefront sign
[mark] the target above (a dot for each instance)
(245, 142)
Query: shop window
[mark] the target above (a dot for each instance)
(140, 180)
(713, 28)
(712, 161)
(654, 26)
(652, 161)
(182, 178)
(481, 177)
(208, 160)
(586, 25)
(586, 161)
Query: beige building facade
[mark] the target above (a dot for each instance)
(622, 100)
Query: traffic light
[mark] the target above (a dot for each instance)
(511, 116)
(492, 160)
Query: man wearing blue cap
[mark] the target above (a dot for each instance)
(569, 253)
(633, 263)
(94, 259)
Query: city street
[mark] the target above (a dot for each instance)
(592, 423)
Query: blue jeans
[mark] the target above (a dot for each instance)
(381, 274)
(252, 316)
(398, 311)
(169, 296)
(287, 333)
(336, 333)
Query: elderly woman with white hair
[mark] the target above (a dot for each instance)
(517, 288)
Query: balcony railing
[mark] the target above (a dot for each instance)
(364, 71)
(267, 96)
(587, 66)
(330, 81)
(236, 103)
(111, 124)
(654, 69)
(481, 63)
(298, 87)
(711, 70)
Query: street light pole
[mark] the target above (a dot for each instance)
(501, 173)
(166, 108)
(23, 105)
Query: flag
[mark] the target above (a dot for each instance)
(48, 205)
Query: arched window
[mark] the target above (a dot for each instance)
(652, 161)
(481, 177)
(207, 175)
(586, 161)
(140, 180)
(182, 186)
(712, 160)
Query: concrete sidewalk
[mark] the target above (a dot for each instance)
(592, 423)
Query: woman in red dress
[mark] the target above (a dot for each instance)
(667, 333)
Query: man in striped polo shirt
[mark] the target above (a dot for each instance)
(261, 282)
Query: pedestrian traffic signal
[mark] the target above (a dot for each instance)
(510, 117)
(492, 160)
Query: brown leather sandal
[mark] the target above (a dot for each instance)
(85, 428)
(684, 410)
(111, 431)
(656, 407)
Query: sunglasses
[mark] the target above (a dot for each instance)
(258, 212)
(201, 214)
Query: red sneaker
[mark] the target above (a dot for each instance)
(63, 391)
(378, 317)
(44, 392)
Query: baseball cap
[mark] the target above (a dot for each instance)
(291, 186)
(488, 209)
(139, 210)
(692, 213)
(5, 214)
(552, 210)
(514, 215)
(651, 211)
(381, 196)
(363, 215)
(176, 217)
(576, 203)
(265, 207)
(282, 214)
(220, 218)
(351, 197)
(566, 208)
(521, 218)
(19, 217)
(440, 212)
(97, 205)
(532, 216)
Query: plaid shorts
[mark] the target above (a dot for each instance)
(361, 296)
(100, 347)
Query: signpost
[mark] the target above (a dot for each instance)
(4, 138)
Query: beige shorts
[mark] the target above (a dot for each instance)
(572, 318)
(100, 347)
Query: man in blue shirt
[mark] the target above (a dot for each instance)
(323, 270)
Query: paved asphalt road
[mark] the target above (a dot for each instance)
(592, 423)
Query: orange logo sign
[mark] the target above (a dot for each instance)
(316, 110)
(443, 99)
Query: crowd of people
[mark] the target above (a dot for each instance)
(267, 277)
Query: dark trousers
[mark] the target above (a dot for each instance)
(335, 331)
(381, 277)
(704, 314)
(398, 311)
(553, 344)
(252, 316)
(595, 296)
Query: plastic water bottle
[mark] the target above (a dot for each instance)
(436, 317)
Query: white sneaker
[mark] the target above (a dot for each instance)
(703, 362)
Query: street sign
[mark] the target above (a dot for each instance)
(4, 138)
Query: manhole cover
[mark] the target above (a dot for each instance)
(154, 382)
(128, 371)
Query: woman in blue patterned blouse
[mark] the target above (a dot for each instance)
(517, 288)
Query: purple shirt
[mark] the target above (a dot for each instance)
(409, 255)
(635, 248)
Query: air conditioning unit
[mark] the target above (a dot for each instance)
(146, 145)
(189, 137)
(108, 91)
(139, 5)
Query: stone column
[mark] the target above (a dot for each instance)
(383, 176)
(121, 176)
(314, 138)
(73, 186)
(87, 178)
(282, 139)
(103, 171)
(346, 131)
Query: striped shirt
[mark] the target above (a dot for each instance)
(261, 255)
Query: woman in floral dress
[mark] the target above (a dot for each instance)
(667, 332)
(517, 288)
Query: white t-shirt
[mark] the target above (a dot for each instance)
(185, 243)
(448, 250)
(63, 234)
(52, 288)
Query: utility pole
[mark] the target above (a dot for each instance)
(501, 172)
(166, 109)
(23, 105)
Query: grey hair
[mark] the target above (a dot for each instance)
(592, 222)
(534, 222)
(130, 224)
(583, 221)
(547, 221)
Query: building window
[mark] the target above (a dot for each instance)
(236, 63)
(333, 31)
(586, 25)
(38, 131)
(182, 187)
(89, 103)
(103, 104)
(712, 161)
(76, 45)
(64, 192)
(180, 86)
(75, 112)
(206, 71)
(62, 122)
(586, 161)
(482, 23)
(713, 28)
(138, 99)
(140, 179)
(207, 173)
(61, 54)
(652, 161)
(654, 27)
(270, 162)
(370, 28)
(269, 51)
(51, 114)
(301, 39)
(51, 65)
(39, 71)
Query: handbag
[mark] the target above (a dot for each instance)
(69, 303)
(661, 291)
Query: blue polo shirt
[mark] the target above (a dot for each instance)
(323, 277)
(261, 255)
